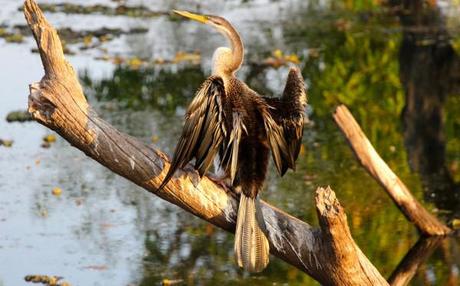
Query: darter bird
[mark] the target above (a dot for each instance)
(232, 123)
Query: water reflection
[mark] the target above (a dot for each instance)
(138, 88)
(428, 64)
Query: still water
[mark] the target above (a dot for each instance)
(398, 72)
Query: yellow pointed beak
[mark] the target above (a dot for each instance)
(200, 18)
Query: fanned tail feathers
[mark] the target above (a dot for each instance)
(251, 245)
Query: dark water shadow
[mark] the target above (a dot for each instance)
(429, 70)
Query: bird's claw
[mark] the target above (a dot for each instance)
(220, 181)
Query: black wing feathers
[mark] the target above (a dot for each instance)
(204, 129)
(285, 124)
(229, 160)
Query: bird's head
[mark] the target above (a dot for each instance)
(225, 61)
(219, 23)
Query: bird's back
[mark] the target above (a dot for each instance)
(248, 103)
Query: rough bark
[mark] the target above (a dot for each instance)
(426, 223)
(328, 253)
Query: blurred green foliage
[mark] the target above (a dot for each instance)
(360, 5)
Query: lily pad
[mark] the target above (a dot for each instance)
(19, 116)
(6, 143)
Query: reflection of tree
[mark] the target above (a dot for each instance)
(135, 88)
(356, 66)
(416, 256)
(200, 254)
(424, 255)
(427, 63)
(193, 252)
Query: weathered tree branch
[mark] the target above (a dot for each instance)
(328, 254)
(396, 189)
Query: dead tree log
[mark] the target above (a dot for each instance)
(328, 253)
(425, 222)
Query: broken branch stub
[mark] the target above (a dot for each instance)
(337, 247)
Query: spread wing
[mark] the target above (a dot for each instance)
(284, 124)
(229, 160)
(204, 129)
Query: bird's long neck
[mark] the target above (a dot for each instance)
(226, 61)
(237, 48)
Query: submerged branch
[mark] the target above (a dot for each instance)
(328, 253)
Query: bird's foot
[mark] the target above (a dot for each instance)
(220, 181)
